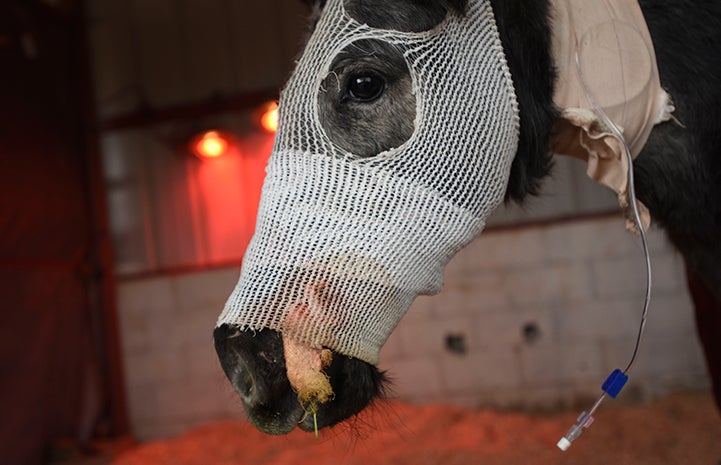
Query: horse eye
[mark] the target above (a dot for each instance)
(365, 87)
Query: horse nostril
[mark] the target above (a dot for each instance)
(246, 385)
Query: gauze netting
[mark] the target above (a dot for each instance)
(343, 244)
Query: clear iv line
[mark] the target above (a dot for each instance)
(634, 208)
(644, 243)
(617, 379)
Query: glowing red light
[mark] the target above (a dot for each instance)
(269, 118)
(210, 144)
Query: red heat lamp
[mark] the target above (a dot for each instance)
(210, 145)
(269, 117)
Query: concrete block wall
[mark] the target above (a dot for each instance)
(543, 314)
(173, 378)
(535, 318)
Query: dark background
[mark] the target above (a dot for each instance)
(57, 378)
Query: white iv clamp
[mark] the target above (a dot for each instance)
(612, 386)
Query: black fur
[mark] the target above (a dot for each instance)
(678, 174)
(526, 37)
(400, 15)
(679, 171)
(255, 366)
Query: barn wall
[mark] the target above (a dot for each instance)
(173, 377)
(546, 313)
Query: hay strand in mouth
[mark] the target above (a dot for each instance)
(315, 423)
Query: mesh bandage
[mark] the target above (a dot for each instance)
(343, 244)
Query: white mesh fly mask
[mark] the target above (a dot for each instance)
(343, 244)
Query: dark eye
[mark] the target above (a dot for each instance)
(365, 87)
